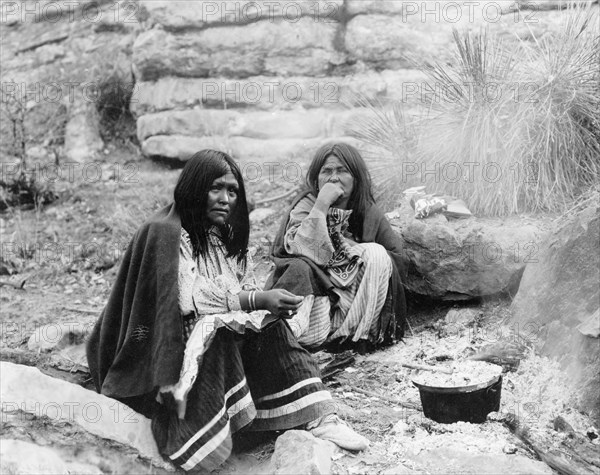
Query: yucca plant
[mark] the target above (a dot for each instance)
(509, 128)
(471, 140)
(391, 141)
(562, 116)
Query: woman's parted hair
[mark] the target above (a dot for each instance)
(362, 192)
(191, 196)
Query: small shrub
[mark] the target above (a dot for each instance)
(471, 138)
(25, 191)
(562, 123)
(21, 187)
(116, 120)
(392, 142)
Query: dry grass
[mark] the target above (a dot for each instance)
(471, 139)
(563, 120)
(393, 143)
(510, 129)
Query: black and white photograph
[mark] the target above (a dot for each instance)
(335, 237)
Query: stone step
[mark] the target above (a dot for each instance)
(281, 151)
(300, 124)
(277, 92)
(273, 48)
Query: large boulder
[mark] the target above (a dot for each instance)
(273, 48)
(558, 302)
(465, 258)
(27, 389)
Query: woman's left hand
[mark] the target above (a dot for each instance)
(279, 302)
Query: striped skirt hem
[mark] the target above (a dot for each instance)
(257, 382)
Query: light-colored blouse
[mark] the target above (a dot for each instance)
(212, 283)
(209, 290)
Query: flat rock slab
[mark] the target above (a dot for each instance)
(182, 147)
(18, 457)
(298, 451)
(27, 389)
(304, 47)
(456, 460)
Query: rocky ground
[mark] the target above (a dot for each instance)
(67, 253)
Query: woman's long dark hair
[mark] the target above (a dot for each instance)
(191, 196)
(362, 193)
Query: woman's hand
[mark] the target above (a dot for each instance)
(329, 194)
(279, 302)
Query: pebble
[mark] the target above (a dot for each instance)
(400, 428)
(509, 449)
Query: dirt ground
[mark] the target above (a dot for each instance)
(67, 254)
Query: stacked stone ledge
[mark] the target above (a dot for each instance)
(281, 78)
(250, 88)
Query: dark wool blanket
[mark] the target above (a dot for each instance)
(137, 344)
(302, 276)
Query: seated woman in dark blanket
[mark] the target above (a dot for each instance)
(187, 340)
(336, 248)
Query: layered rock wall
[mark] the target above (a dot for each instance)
(275, 79)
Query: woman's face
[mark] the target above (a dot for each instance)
(335, 171)
(222, 198)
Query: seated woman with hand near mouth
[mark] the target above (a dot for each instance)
(337, 249)
(186, 340)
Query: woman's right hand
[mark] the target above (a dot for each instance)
(279, 302)
(329, 194)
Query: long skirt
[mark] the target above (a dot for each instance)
(256, 381)
(356, 313)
